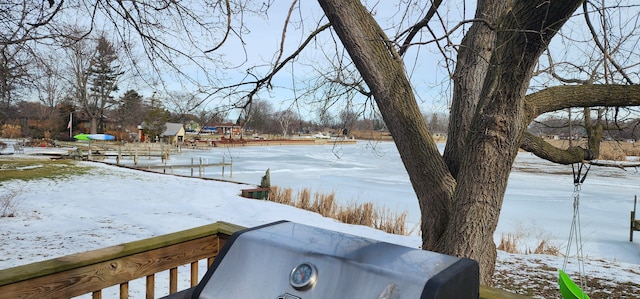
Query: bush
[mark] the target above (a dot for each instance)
(8, 204)
(10, 131)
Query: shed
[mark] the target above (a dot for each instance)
(174, 133)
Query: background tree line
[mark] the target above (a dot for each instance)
(123, 115)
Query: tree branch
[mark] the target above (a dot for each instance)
(601, 47)
(562, 97)
(418, 26)
(545, 150)
(278, 67)
(53, 14)
(228, 29)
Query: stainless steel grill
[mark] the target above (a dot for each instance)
(294, 261)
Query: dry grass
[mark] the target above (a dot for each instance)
(8, 202)
(545, 248)
(361, 214)
(510, 243)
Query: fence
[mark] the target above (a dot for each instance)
(91, 272)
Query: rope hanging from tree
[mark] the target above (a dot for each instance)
(568, 288)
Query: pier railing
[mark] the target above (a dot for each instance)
(93, 271)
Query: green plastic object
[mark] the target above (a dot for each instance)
(82, 137)
(568, 288)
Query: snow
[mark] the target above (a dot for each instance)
(112, 205)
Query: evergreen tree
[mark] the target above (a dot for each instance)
(130, 109)
(155, 121)
(103, 78)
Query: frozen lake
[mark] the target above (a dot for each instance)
(538, 204)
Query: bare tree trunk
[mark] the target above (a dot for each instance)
(499, 122)
(460, 202)
(383, 70)
(94, 125)
(472, 65)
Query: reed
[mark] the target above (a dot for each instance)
(509, 243)
(354, 213)
(618, 151)
(545, 248)
(304, 200)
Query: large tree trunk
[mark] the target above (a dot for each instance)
(383, 70)
(460, 199)
(472, 65)
(523, 31)
(94, 125)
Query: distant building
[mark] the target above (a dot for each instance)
(174, 133)
(228, 130)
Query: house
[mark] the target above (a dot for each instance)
(174, 133)
(228, 130)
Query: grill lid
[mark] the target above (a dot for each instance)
(290, 260)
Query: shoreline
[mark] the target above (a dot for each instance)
(275, 142)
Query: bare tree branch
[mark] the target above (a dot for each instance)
(259, 83)
(604, 51)
(55, 12)
(544, 150)
(226, 33)
(562, 97)
(413, 31)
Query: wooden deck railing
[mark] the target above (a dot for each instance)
(91, 272)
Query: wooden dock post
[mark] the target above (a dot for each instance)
(223, 164)
(635, 224)
(119, 154)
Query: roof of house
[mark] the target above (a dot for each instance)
(172, 129)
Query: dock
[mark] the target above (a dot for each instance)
(201, 166)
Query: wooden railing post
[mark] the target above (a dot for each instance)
(151, 286)
(124, 290)
(173, 280)
(194, 274)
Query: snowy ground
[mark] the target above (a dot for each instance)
(112, 205)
